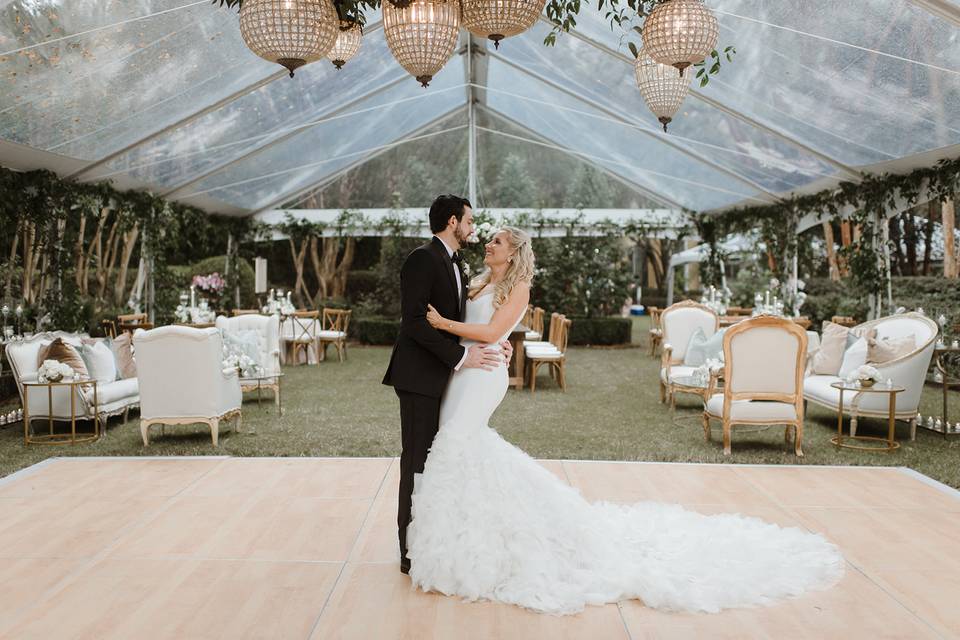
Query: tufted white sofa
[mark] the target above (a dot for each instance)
(113, 398)
(907, 371)
(182, 379)
(268, 346)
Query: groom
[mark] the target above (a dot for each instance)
(423, 358)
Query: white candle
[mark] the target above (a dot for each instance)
(193, 297)
(766, 302)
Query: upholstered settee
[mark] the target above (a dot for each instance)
(113, 396)
(908, 371)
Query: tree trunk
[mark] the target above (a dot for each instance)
(951, 268)
(299, 256)
(893, 229)
(107, 256)
(910, 240)
(129, 243)
(8, 285)
(932, 209)
(78, 253)
(343, 269)
(831, 251)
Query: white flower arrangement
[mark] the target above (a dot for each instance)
(243, 363)
(182, 314)
(865, 374)
(53, 371)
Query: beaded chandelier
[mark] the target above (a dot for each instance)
(662, 87)
(291, 33)
(422, 35)
(347, 44)
(499, 19)
(680, 33)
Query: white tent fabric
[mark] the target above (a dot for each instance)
(164, 95)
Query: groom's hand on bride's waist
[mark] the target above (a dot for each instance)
(482, 356)
(507, 350)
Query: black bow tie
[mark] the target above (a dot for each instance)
(456, 257)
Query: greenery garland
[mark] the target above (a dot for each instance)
(868, 199)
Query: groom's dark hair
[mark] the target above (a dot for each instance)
(444, 207)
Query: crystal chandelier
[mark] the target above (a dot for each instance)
(499, 19)
(291, 33)
(348, 43)
(680, 33)
(422, 35)
(662, 86)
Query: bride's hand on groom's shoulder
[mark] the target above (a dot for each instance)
(434, 318)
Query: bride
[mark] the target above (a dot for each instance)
(490, 523)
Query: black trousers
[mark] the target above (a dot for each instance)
(419, 423)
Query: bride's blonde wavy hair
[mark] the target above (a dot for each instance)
(519, 269)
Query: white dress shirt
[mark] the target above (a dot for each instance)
(456, 273)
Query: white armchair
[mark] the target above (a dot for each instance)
(758, 388)
(268, 348)
(113, 397)
(678, 322)
(908, 371)
(182, 379)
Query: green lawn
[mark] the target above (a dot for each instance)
(611, 411)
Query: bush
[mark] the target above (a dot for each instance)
(361, 284)
(600, 331)
(935, 294)
(374, 330)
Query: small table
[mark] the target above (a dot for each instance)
(265, 381)
(890, 441)
(73, 386)
(517, 336)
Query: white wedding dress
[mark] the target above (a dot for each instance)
(490, 523)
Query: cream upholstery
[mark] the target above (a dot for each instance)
(764, 361)
(677, 371)
(908, 371)
(113, 397)
(182, 379)
(752, 410)
(268, 337)
(678, 323)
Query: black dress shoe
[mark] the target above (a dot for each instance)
(405, 567)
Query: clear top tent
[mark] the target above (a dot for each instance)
(164, 95)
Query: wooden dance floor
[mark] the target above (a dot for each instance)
(306, 548)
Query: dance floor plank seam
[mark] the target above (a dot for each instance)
(220, 547)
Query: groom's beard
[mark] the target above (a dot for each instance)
(462, 238)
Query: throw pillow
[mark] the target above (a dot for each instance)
(887, 349)
(99, 360)
(123, 352)
(700, 348)
(854, 357)
(62, 352)
(827, 359)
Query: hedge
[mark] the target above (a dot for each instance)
(373, 330)
(600, 331)
(361, 283)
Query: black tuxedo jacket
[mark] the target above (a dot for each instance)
(423, 357)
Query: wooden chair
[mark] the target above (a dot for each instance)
(302, 336)
(844, 321)
(656, 333)
(333, 331)
(244, 312)
(554, 355)
(679, 322)
(534, 324)
(760, 389)
(109, 328)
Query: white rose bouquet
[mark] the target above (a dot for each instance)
(243, 363)
(53, 371)
(866, 375)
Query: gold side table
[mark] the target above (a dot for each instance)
(73, 386)
(266, 381)
(889, 443)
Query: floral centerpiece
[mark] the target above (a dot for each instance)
(213, 284)
(866, 375)
(54, 371)
(243, 363)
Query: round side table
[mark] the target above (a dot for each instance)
(73, 386)
(889, 443)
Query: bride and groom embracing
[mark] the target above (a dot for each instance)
(480, 519)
